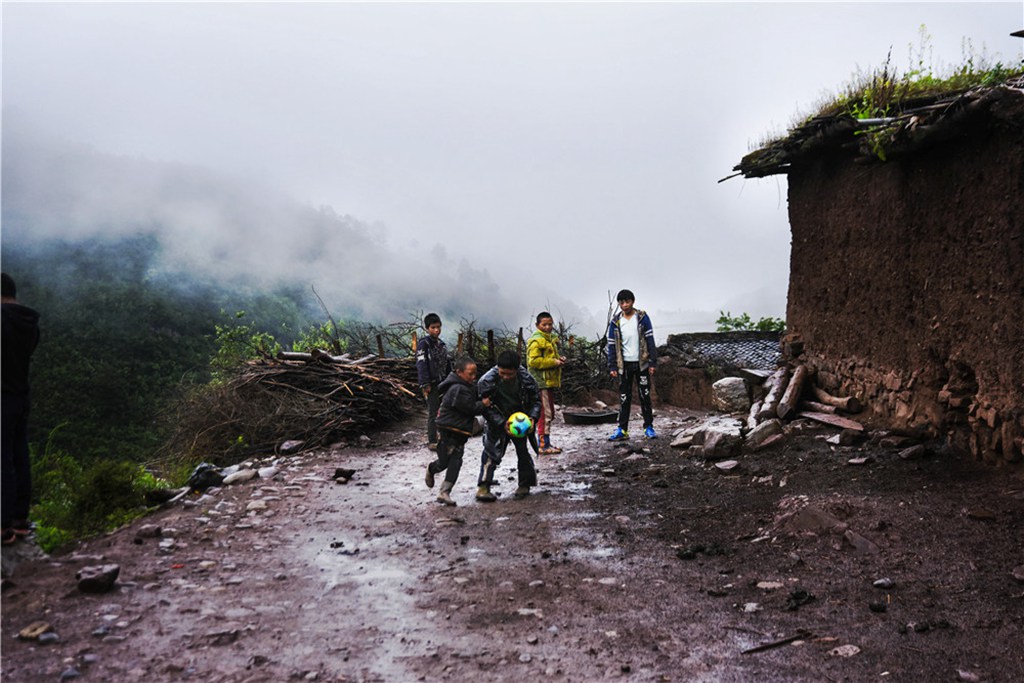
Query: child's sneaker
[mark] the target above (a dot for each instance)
(620, 434)
(649, 433)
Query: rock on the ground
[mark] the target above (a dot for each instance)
(291, 446)
(719, 445)
(728, 439)
(240, 476)
(913, 453)
(730, 395)
(97, 578)
(859, 543)
(684, 439)
(759, 434)
(48, 638)
(149, 531)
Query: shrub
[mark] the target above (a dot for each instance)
(72, 499)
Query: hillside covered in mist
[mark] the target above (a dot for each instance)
(219, 231)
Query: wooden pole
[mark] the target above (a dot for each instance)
(415, 343)
(776, 386)
(848, 405)
(520, 344)
(790, 399)
(815, 407)
(490, 346)
(458, 348)
(380, 346)
(755, 411)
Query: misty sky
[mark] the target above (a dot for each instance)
(574, 145)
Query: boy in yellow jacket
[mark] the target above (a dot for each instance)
(545, 364)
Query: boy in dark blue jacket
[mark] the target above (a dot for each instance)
(632, 357)
(455, 418)
(432, 366)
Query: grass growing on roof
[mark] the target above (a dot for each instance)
(885, 91)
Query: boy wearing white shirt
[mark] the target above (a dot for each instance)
(632, 356)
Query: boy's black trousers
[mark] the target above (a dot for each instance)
(495, 443)
(631, 372)
(450, 448)
(433, 403)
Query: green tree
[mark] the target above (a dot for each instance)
(742, 323)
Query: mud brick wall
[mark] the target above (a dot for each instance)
(907, 284)
(683, 387)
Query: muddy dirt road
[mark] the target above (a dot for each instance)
(630, 562)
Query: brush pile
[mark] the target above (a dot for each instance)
(316, 398)
(586, 369)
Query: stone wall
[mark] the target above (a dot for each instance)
(907, 284)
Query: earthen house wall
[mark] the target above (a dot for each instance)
(907, 284)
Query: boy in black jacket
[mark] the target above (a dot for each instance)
(455, 417)
(512, 389)
(432, 366)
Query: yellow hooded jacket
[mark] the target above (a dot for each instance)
(542, 359)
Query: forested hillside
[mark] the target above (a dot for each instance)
(120, 341)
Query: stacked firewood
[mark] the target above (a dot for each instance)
(312, 397)
(791, 393)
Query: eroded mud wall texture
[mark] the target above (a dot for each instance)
(907, 284)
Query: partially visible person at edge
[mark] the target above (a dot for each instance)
(632, 357)
(511, 390)
(432, 366)
(455, 421)
(545, 364)
(20, 338)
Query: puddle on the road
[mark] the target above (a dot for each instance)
(343, 565)
(592, 553)
(574, 490)
(562, 518)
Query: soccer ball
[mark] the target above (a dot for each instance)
(518, 425)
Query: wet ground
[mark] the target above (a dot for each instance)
(629, 562)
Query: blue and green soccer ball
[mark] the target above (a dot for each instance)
(518, 425)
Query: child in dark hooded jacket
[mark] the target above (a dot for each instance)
(456, 415)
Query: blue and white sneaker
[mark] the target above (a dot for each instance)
(649, 433)
(620, 434)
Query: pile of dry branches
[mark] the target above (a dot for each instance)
(316, 398)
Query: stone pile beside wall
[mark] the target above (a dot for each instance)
(991, 428)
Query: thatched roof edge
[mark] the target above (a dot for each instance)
(920, 124)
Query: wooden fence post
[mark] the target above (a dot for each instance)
(490, 346)
(380, 346)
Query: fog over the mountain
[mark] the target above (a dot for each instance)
(219, 229)
(486, 160)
